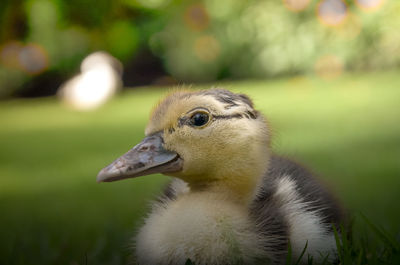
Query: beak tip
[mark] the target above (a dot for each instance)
(100, 178)
(108, 174)
(103, 175)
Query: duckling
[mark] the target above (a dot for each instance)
(231, 201)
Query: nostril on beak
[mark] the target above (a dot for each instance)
(144, 148)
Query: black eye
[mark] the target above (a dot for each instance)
(199, 119)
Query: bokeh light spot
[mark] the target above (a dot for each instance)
(207, 48)
(33, 59)
(196, 17)
(30, 58)
(369, 5)
(332, 12)
(9, 54)
(329, 67)
(296, 5)
(99, 80)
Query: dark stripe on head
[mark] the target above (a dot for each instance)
(246, 100)
(185, 120)
(247, 114)
(227, 117)
(228, 101)
(233, 100)
(252, 115)
(228, 98)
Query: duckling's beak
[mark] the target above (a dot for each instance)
(148, 157)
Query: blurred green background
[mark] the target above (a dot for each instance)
(42, 42)
(325, 73)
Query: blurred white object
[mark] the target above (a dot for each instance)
(99, 80)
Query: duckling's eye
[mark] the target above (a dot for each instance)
(199, 119)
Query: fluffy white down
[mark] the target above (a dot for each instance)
(305, 225)
(198, 226)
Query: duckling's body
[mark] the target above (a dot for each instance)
(231, 201)
(203, 226)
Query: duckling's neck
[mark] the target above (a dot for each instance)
(235, 189)
(236, 179)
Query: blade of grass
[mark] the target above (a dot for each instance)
(302, 254)
(338, 244)
(310, 260)
(289, 254)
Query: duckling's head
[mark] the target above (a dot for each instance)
(210, 138)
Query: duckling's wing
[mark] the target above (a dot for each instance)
(311, 191)
(292, 204)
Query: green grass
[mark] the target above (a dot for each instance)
(54, 212)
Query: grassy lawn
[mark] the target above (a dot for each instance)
(54, 212)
